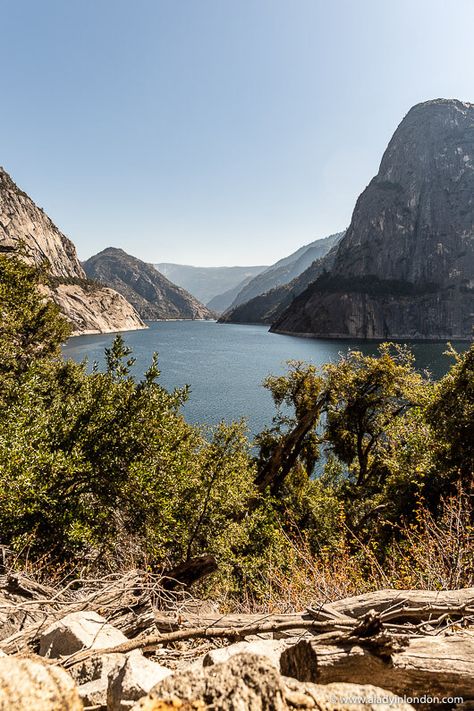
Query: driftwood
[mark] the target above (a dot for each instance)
(373, 648)
(409, 642)
(434, 665)
(129, 602)
(150, 642)
(404, 605)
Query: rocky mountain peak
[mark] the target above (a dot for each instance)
(151, 293)
(406, 265)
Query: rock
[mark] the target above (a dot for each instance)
(405, 268)
(133, 680)
(244, 682)
(27, 231)
(92, 677)
(21, 219)
(151, 293)
(28, 684)
(112, 680)
(271, 649)
(249, 682)
(76, 631)
(94, 694)
(91, 308)
(96, 667)
(342, 697)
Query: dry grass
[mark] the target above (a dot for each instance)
(437, 554)
(431, 554)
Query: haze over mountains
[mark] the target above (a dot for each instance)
(286, 269)
(206, 283)
(275, 288)
(269, 306)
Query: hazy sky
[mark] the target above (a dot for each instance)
(215, 132)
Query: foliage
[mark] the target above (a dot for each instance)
(92, 465)
(436, 551)
(101, 470)
(293, 440)
(31, 327)
(451, 417)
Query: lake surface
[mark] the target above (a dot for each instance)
(225, 363)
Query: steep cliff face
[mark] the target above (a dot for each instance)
(26, 230)
(224, 301)
(405, 268)
(152, 294)
(21, 221)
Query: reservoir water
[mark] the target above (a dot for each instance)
(225, 363)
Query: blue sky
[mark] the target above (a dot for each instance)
(215, 132)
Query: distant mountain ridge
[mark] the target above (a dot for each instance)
(152, 294)
(222, 302)
(26, 230)
(405, 269)
(205, 283)
(269, 307)
(286, 269)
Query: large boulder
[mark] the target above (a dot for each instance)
(248, 681)
(27, 684)
(113, 681)
(76, 631)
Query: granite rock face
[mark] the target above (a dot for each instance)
(405, 268)
(27, 231)
(153, 295)
(21, 221)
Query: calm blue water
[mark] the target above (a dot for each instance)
(225, 363)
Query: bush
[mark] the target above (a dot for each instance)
(99, 471)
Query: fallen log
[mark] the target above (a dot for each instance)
(397, 606)
(404, 604)
(151, 642)
(440, 666)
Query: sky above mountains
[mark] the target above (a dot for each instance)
(215, 132)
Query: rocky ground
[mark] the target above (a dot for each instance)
(124, 642)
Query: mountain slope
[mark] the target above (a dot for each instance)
(222, 302)
(286, 269)
(206, 282)
(27, 231)
(405, 268)
(151, 293)
(269, 307)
